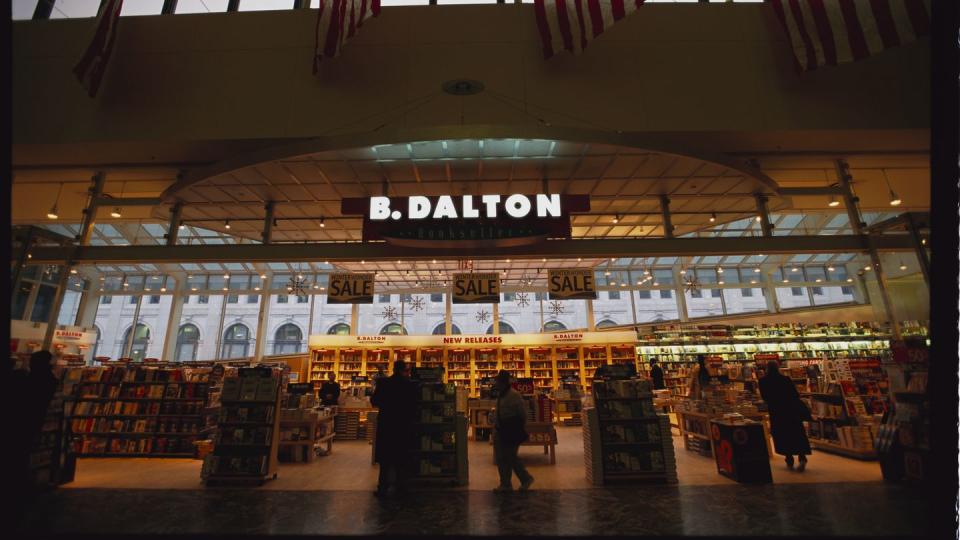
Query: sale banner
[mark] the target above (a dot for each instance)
(571, 284)
(476, 288)
(350, 289)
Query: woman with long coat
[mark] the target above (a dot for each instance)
(787, 413)
(396, 398)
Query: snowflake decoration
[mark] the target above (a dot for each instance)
(389, 313)
(417, 303)
(297, 286)
(483, 316)
(523, 299)
(556, 308)
(691, 284)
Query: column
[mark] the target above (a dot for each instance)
(218, 352)
(55, 308)
(87, 311)
(90, 212)
(173, 323)
(448, 313)
(678, 292)
(354, 318)
(591, 323)
(263, 317)
(267, 221)
(773, 306)
(665, 211)
(128, 346)
(765, 226)
(920, 251)
(884, 294)
(173, 229)
(849, 201)
(496, 319)
(633, 301)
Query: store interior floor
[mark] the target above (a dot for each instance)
(349, 468)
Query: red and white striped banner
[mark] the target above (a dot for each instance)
(338, 21)
(572, 24)
(93, 65)
(831, 32)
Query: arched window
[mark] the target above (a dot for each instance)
(606, 323)
(554, 326)
(188, 337)
(141, 338)
(236, 342)
(339, 329)
(288, 339)
(441, 329)
(393, 329)
(504, 328)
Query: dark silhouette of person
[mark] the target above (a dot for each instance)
(396, 399)
(510, 423)
(16, 448)
(700, 377)
(787, 413)
(330, 390)
(656, 373)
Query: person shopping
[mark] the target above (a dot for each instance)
(396, 399)
(330, 390)
(787, 413)
(656, 373)
(699, 378)
(510, 431)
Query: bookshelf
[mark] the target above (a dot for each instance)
(322, 363)
(440, 451)
(431, 358)
(49, 463)
(247, 439)
(136, 412)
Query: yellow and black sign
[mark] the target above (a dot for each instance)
(350, 289)
(476, 288)
(571, 284)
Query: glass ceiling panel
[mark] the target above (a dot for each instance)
(234, 266)
(213, 241)
(190, 266)
(98, 242)
(712, 259)
(212, 267)
(845, 257)
(278, 266)
(800, 258)
(148, 267)
(787, 223)
(125, 268)
(155, 230)
(107, 230)
(736, 259)
(823, 257)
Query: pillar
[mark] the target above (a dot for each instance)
(884, 295)
(448, 313)
(55, 308)
(766, 227)
(268, 223)
(173, 230)
(354, 318)
(773, 306)
(667, 221)
(678, 292)
(591, 322)
(496, 319)
(87, 310)
(173, 324)
(90, 212)
(263, 317)
(919, 249)
(128, 346)
(223, 312)
(849, 201)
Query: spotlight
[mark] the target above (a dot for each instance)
(713, 217)
(903, 267)
(52, 214)
(363, 262)
(256, 288)
(226, 276)
(263, 276)
(719, 270)
(616, 218)
(818, 280)
(721, 282)
(867, 268)
(226, 224)
(753, 282)
(193, 288)
(894, 200)
(322, 224)
(683, 271)
(607, 273)
(833, 202)
(758, 218)
(830, 269)
(163, 289)
(181, 226)
(73, 270)
(794, 269)
(756, 270)
(115, 213)
(655, 284)
(785, 280)
(849, 280)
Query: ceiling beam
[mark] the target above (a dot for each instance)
(564, 249)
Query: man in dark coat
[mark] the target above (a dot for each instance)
(656, 373)
(330, 390)
(787, 413)
(396, 397)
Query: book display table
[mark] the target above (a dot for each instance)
(740, 451)
(541, 434)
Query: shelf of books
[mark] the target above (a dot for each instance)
(440, 452)
(624, 439)
(49, 462)
(904, 439)
(322, 363)
(136, 411)
(248, 432)
(468, 360)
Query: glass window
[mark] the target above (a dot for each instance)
(23, 9)
(703, 305)
(186, 299)
(509, 297)
(643, 294)
(788, 298)
(203, 299)
(505, 328)
(554, 326)
(393, 329)
(436, 297)
(706, 275)
(282, 299)
(141, 338)
(406, 298)
(383, 298)
(817, 291)
(188, 337)
(813, 273)
(729, 275)
(613, 295)
(154, 299)
(715, 293)
(233, 299)
(847, 291)
(744, 300)
(303, 299)
(265, 5)
(236, 342)
(106, 299)
(440, 329)
(697, 294)
(288, 339)
(539, 296)
(202, 6)
(664, 277)
(746, 293)
(666, 293)
(606, 323)
(19, 303)
(133, 299)
(339, 329)
(839, 272)
(253, 298)
(140, 7)
(43, 304)
(796, 291)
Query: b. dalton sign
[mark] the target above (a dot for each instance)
(466, 221)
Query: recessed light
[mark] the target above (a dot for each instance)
(830, 269)
(867, 268)
(849, 280)
(115, 213)
(163, 289)
(903, 267)
(720, 282)
(756, 270)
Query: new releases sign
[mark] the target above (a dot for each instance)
(350, 289)
(466, 221)
(571, 284)
(476, 288)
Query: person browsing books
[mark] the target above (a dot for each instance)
(656, 373)
(396, 399)
(510, 431)
(787, 413)
(699, 378)
(330, 390)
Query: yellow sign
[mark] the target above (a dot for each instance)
(350, 289)
(571, 284)
(476, 288)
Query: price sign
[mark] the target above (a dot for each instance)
(523, 386)
(476, 288)
(904, 353)
(571, 284)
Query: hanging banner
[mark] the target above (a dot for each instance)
(476, 288)
(350, 289)
(571, 284)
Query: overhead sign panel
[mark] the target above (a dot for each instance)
(476, 288)
(350, 289)
(466, 221)
(571, 284)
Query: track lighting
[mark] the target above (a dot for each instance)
(713, 217)
(616, 218)
(894, 199)
(52, 214)
(181, 226)
(322, 224)
(116, 212)
(757, 218)
(833, 202)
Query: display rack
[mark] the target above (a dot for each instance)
(904, 441)
(625, 440)
(322, 363)
(439, 453)
(135, 411)
(248, 432)
(50, 464)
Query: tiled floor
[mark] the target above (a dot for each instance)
(349, 468)
(333, 496)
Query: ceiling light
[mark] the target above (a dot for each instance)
(623, 284)
(182, 226)
(613, 259)
(116, 212)
(721, 282)
(579, 259)
(434, 261)
(818, 280)
(753, 282)
(903, 266)
(830, 269)
(616, 218)
(29, 256)
(225, 288)
(640, 282)
(73, 270)
(363, 262)
(193, 288)
(398, 261)
(323, 288)
(226, 276)
(719, 270)
(785, 280)
(833, 202)
(508, 260)
(256, 288)
(322, 224)
(894, 200)
(263, 276)
(52, 214)
(544, 259)
(300, 276)
(758, 218)
(125, 284)
(607, 273)
(713, 217)
(102, 278)
(867, 268)
(794, 269)
(646, 272)
(226, 224)
(613, 282)
(163, 289)
(849, 280)
(757, 270)
(315, 286)
(655, 284)
(923, 241)
(683, 271)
